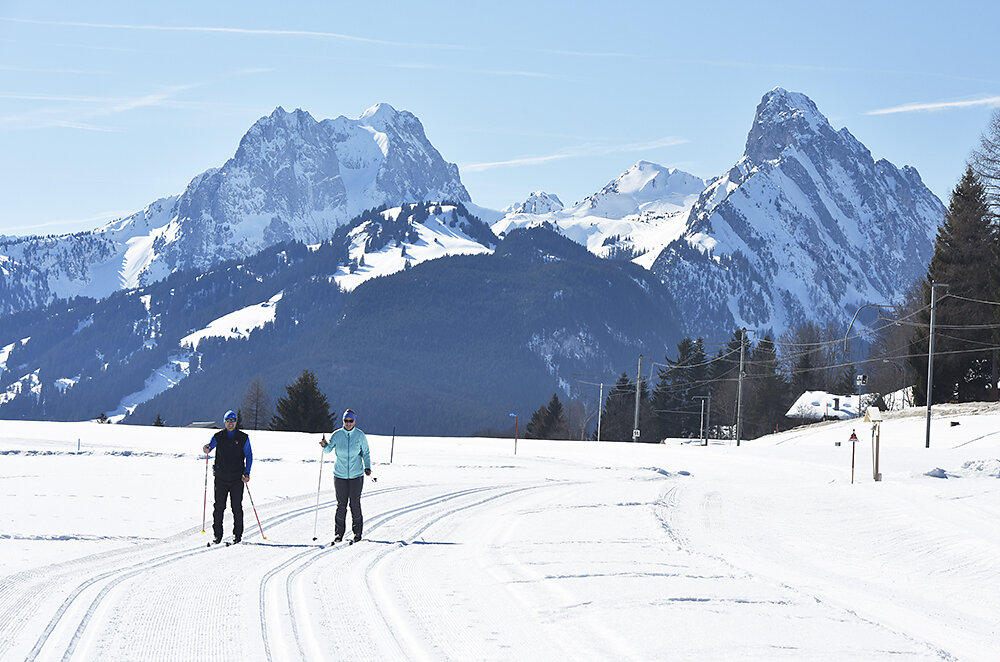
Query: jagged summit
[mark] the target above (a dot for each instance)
(784, 118)
(805, 226)
(539, 202)
(292, 178)
(380, 111)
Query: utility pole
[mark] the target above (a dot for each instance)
(930, 361)
(701, 430)
(600, 409)
(708, 417)
(704, 436)
(739, 390)
(638, 377)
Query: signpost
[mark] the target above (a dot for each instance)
(874, 416)
(854, 445)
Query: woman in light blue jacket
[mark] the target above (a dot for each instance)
(349, 471)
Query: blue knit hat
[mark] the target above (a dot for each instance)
(349, 415)
(230, 416)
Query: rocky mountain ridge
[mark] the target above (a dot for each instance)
(292, 178)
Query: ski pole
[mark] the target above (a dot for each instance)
(255, 512)
(204, 499)
(322, 452)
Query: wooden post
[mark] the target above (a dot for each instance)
(878, 432)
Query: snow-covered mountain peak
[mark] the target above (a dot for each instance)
(292, 178)
(652, 180)
(288, 119)
(805, 226)
(379, 113)
(539, 202)
(783, 119)
(633, 216)
(645, 187)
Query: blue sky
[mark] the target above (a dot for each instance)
(107, 106)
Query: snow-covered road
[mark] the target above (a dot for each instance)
(568, 550)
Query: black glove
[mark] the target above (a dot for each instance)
(368, 472)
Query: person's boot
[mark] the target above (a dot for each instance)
(357, 537)
(338, 537)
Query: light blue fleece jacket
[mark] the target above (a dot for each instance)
(351, 451)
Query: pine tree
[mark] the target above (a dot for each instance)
(548, 421)
(257, 404)
(617, 417)
(158, 422)
(967, 258)
(558, 428)
(304, 408)
(535, 429)
(675, 404)
(766, 396)
(986, 162)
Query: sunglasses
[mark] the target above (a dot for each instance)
(348, 420)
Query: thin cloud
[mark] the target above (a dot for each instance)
(30, 70)
(930, 107)
(576, 152)
(101, 107)
(225, 30)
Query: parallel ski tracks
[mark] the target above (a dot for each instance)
(104, 583)
(306, 558)
(382, 556)
(118, 575)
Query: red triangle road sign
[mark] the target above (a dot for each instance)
(854, 437)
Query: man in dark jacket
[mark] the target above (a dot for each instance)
(233, 458)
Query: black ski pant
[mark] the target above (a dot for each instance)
(348, 490)
(233, 489)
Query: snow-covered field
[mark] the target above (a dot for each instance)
(565, 551)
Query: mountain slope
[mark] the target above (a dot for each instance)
(292, 179)
(77, 358)
(451, 345)
(806, 226)
(447, 344)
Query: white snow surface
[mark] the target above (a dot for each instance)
(167, 376)
(237, 324)
(642, 210)
(566, 550)
(435, 239)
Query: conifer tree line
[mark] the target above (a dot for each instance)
(672, 406)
